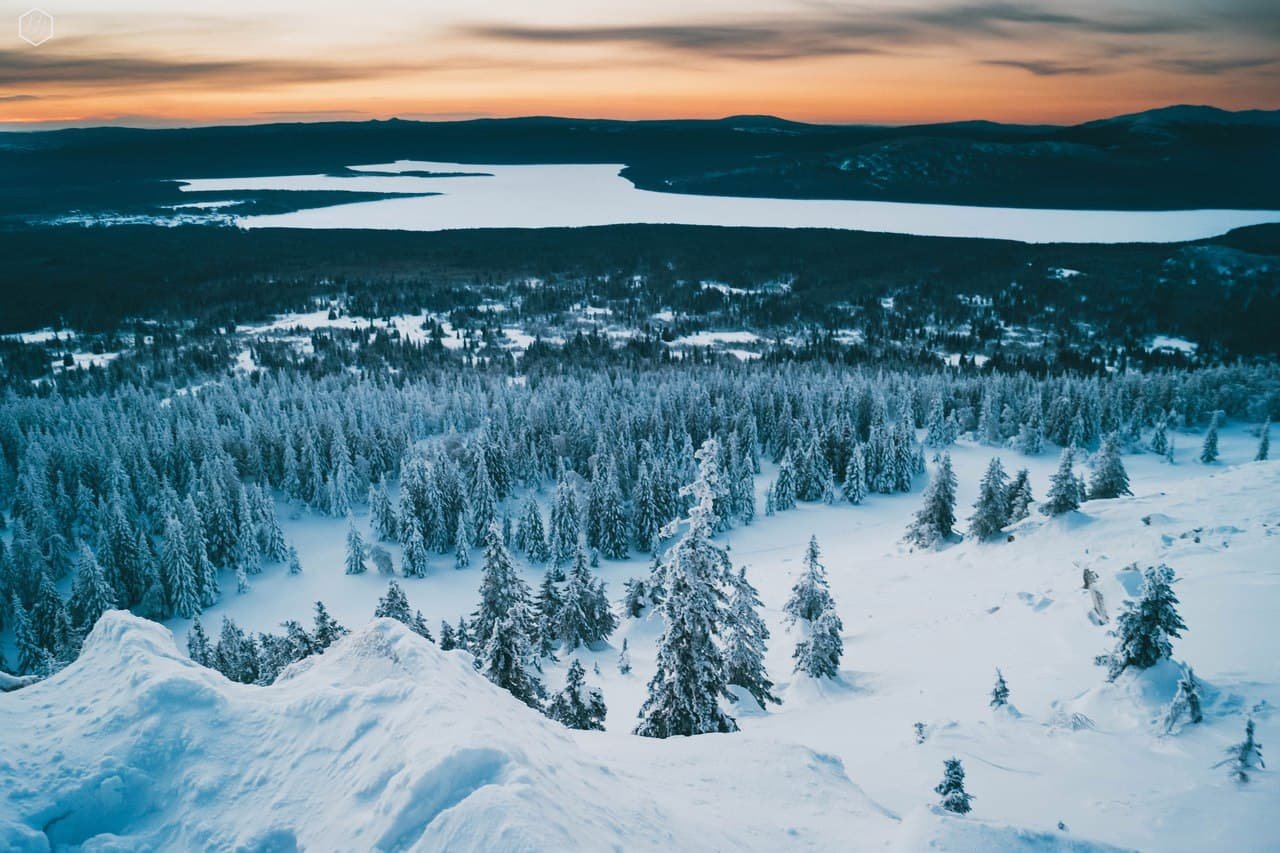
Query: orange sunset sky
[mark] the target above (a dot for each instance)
(148, 62)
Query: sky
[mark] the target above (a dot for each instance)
(160, 63)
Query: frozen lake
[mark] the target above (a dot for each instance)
(552, 196)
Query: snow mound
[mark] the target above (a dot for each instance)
(382, 743)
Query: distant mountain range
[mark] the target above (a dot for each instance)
(1172, 158)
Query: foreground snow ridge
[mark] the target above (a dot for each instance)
(384, 742)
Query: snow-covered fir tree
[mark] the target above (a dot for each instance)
(811, 608)
(1019, 498)
(584, 616)
(1264, 442)
(624, 659)
(91, 595)
(385, 523)
(1159, 443)
(1209, 448)
(565, 528)
(176, 572)
(685, 691)
(935, 520)
(198, 644)
(1145, 630)
(1064, 489)
(991, 510)
(327, 631)
(395, 605)
(745, 640)
(1000, 693)
(951, 788)
(355, 550)
(416, 561)
(1245, 757)
(854, 487)
(531, 536)
(1110, 480)
(578, 706)
(295, 564)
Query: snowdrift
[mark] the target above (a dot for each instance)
(384, 742)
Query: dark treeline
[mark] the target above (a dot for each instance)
(1223, 293)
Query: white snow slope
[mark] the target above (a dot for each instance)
(384, 742)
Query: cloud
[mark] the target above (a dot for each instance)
(1044, 67)
(825, 30)
(10, 99)
(1204, 65)
(41, 68)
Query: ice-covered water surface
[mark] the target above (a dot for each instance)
(575, 195)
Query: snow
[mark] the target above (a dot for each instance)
(1166, 342)
(704, 339)
(383, 742)
(42, 336)
(364, 744)
(573, 195)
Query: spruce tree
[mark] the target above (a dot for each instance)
(531, 537)
(1244, 757)
(1019, 497)
(685, 691)
(935, 520)
(991, 511)
(176, 572)
(1145, 630)
(564, 523)
(327, 631)
(416, 560)
(951, 788)
(198, 644)
(611, 518)
(1110, 480)
(1264, 442)
(999, 693)
(395, 605)
(355, 550)
(461, 544)
(1064, 488)
(503, 592)
(507, 658)
(448, 638)
(810, 605)
(91, 595)
(578, 706)
(295, 565)
(784, 488)
(385, 524)
(745, 638)
(624, 659)
(854, 487)
(1209, 450)
(1160, 436)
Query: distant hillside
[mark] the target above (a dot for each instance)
(1177, 157)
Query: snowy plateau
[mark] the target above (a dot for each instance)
(385, 742)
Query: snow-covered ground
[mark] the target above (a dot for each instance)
(573, 195)
(384, 742)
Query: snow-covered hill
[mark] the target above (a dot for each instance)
(384, 742)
